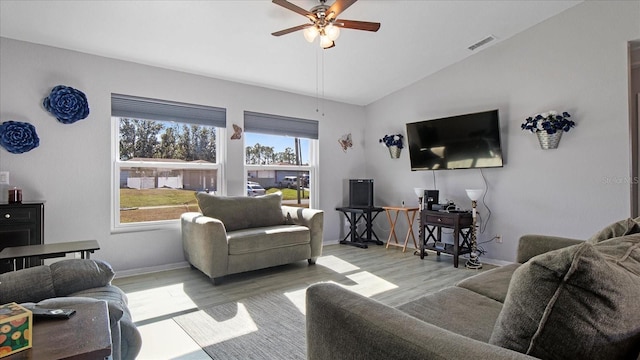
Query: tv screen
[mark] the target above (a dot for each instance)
(456, 142)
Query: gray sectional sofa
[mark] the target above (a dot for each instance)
(235, 234)
(569, 299)
(66, 283)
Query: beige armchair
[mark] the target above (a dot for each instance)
(235, 234)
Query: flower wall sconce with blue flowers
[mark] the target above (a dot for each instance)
(67, 104)
(18, 137)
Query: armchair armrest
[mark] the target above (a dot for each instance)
(204, 242)
(344, 325)
(311, 218)
(533, 245)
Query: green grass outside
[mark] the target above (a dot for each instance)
(130, 198)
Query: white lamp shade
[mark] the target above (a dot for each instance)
(310, 33)
(474, 194)
(325, 42)
(332, 32)
(419, 191)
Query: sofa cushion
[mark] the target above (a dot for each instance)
(580, 302)
(265, 238)
(242, 212)
(492, 284)
(619, 228)
(74, 275)
(445, 308)
(26, 285)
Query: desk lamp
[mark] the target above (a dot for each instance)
(419, 193)
(473, 262)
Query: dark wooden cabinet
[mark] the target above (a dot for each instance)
(21, 224)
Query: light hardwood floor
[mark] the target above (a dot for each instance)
(387, 275)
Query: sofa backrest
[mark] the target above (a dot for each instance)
(242, 212)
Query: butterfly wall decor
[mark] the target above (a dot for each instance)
(345, 142)
(237, 132)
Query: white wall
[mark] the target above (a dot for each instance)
(575, 62)
(71, 170)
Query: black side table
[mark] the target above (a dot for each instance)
(354, 215)
(460, 222)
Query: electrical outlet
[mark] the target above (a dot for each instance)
(499, 239)
(4, 178)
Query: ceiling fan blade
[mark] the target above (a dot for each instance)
(290, 30)
(295, 8)
(357, 25)
(338, 7)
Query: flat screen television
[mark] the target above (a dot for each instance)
(458, 142)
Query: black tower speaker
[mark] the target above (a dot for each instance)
(360, 192)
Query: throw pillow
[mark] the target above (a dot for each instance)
(243, 212)
(73, 275)
(620, 228)
(580, 302)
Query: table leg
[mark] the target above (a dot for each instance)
(392, 232)
(410, 230)
(456, 245)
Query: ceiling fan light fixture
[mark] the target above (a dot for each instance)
(332, 31)
(325, 42)
(310, 33)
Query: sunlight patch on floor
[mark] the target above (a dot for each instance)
(367, 284)
(166, 340)
(240, 324)
(336, 264)
(160, 301)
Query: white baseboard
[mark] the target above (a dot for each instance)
(151, 269)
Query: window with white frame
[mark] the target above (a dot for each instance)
(281, 154)
(163, 152)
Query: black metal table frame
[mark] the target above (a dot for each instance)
(47, 251)
(354, 215)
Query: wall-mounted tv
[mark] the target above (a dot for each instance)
(457, 142)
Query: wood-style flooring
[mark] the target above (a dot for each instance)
(387, 275)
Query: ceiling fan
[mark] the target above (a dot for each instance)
(324, 22)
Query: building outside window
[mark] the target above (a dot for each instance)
(163, 153)
(281, 154)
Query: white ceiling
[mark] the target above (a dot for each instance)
(232, 39)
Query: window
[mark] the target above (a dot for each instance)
(162, 153)
(281, 155)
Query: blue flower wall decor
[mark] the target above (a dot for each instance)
(18, 137)
(67, 104)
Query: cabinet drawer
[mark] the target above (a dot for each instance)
(439, 220)
(14, 215)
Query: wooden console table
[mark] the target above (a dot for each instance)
(354, 215)
(410, 213)
(85, 335)
(46, 251)
(460, 222)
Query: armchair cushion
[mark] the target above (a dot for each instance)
(30, 284)
(577, 302)
(241, 212)
(620, 228)
(70, 276)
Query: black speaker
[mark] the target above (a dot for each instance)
(430, 198)
(360, 192)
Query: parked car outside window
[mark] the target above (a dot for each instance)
(290, 182)
(255, 189)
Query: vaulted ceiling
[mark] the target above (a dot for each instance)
(232, 39)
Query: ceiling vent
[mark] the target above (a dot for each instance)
(482, 42)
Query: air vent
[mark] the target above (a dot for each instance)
(482, 42)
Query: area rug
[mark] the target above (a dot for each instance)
(266, 326)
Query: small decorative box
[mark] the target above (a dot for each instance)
(16, 324)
